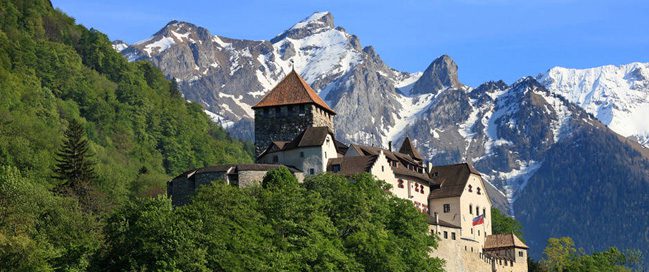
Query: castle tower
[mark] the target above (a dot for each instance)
(287, 110)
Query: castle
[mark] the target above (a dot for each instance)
(294, 127)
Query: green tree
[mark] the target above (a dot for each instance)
(40, 231)
(230, 228)
(146, 235)
(302, 232)
(74, 166)
(381, 232)
(502, 223)
(559, 253)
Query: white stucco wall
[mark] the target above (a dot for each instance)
(305, 158)
(473, 199)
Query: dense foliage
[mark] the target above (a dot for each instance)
(329, 223)
(56, 76)
(561, 254)
(502, 223)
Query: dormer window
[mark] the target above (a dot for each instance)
(470, 188)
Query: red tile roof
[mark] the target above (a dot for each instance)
(292, 90)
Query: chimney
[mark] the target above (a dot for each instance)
(390, 146)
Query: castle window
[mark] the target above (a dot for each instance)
(416, 187)
(301, 154)
(382, 168)
(470, 209)
(478, 232)
(470, 188)
(400, 183)
(422, 189)
(447, 208)
(477, 210)
(445, 235)
(325, 154)
(484, 213)
(335, 168)
(311, 171)
(453, 235)
(479, 190)
(472, 230)
(520, 253)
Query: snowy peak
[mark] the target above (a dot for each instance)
(316, 23)
(175, 32)
(119, 45)
(322, 19)
(440, 74)
(617, 95)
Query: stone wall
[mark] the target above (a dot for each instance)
(284, 123)
(249, 178)
(463, 255)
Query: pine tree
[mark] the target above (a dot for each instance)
(74, 165)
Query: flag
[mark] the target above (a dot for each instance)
(478, 220)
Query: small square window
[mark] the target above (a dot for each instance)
(335, 168)
(447, 208)
(520, 253)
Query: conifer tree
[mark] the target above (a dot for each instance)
(74, 166)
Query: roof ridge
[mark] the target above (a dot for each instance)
(292, 90)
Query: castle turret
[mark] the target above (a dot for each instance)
(287, 110)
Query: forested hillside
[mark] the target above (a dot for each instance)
(139, 132)
(140, 128)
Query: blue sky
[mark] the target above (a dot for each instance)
(489, 39)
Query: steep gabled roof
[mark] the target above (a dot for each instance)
(408, 148)
(402, 159)
(352, 165)
(452, 179)
(311, 136)
(500, 241)
(292, 90)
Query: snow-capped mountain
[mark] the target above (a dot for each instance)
(617, 95)
(119, 45)
(527, 139)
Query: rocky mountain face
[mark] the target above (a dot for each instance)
(617, 95)
(520, 136)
